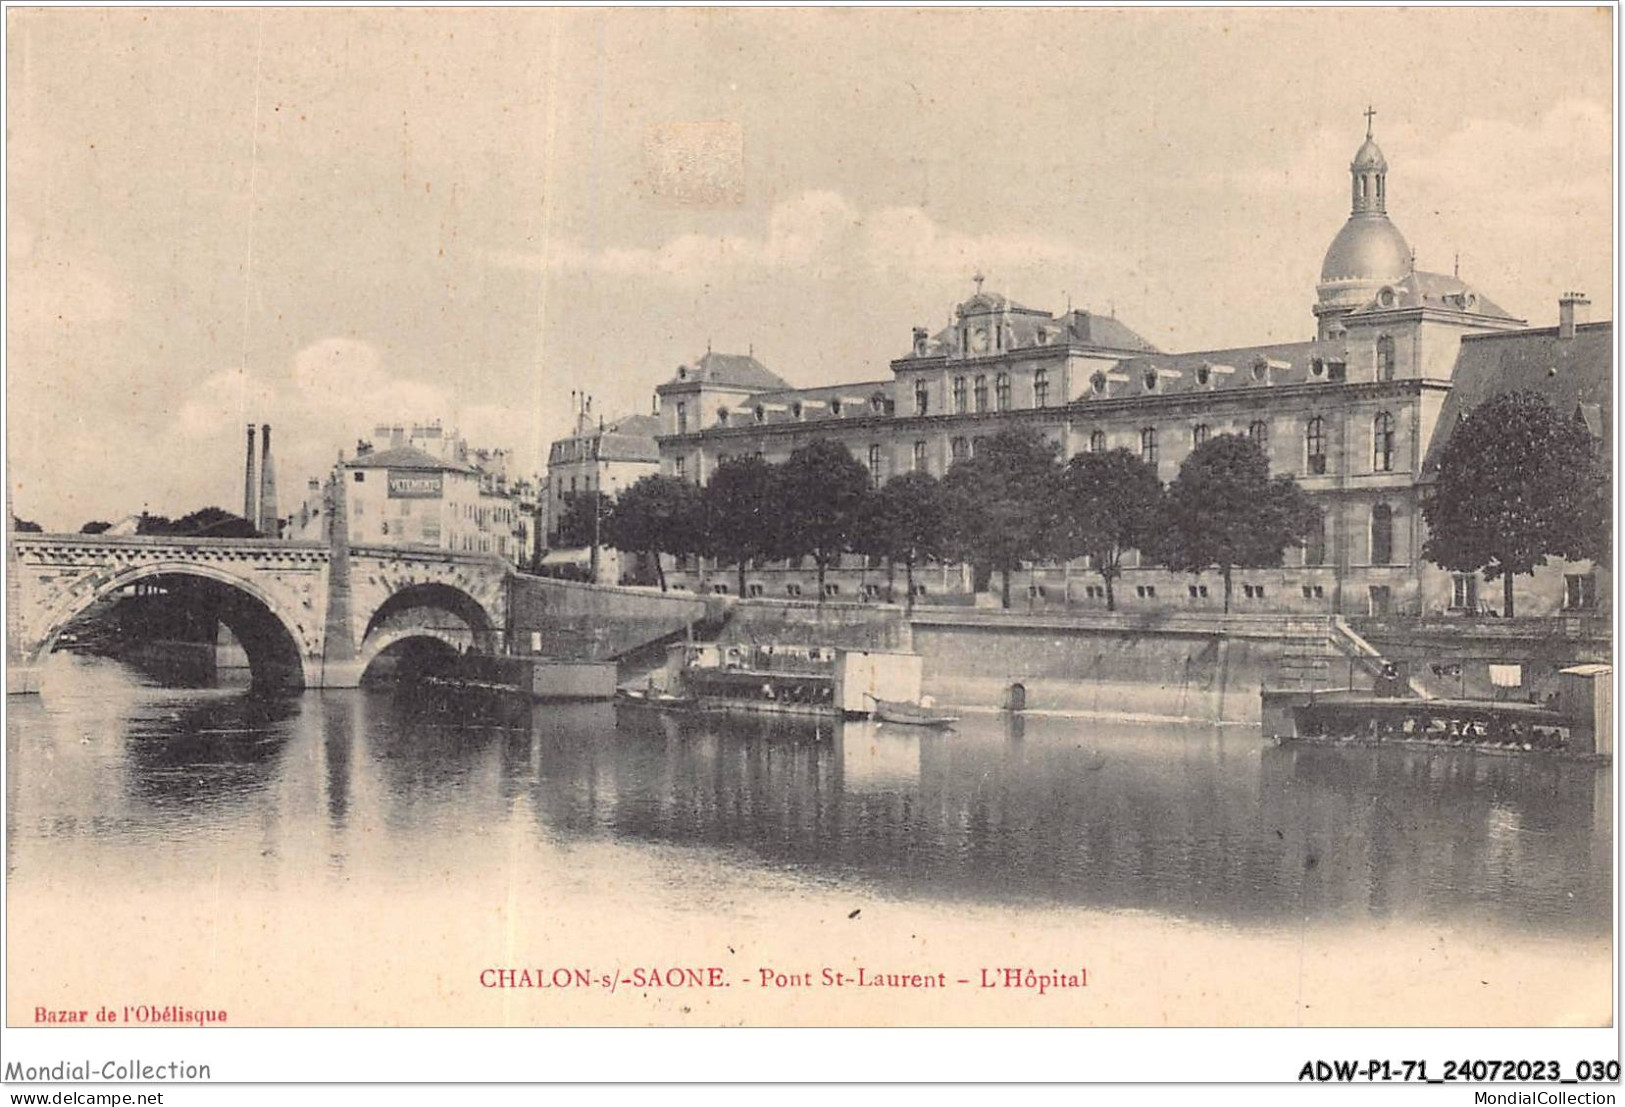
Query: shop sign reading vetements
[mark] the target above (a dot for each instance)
(407, 484)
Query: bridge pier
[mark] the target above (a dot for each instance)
(337, 674)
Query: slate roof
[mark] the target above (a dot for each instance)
(1434, 290)
(808, 399)
(1237, 368)
(406, 457)
(1575, 375)
(739, 370)
(627, 447)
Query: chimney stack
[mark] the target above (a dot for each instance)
(1573, 310)
(250, 511)
(268, 524)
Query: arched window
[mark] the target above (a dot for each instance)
(1097, 442)
(1314, 442)
(1001, 391)
(960, 449)
(922, 397)
(1382, 443)
(1041, 388)
(876, 477)
(1259, 432)
(919, 457)
(1199, 434)
(1382, 535)
(981, 394)
(1148, 445)
(959, 395)
(1385, 358)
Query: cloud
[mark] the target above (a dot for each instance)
(334, 391)
(816, 234)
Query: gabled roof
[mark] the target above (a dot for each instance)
(735, 370)
(1575, 375)
(1431, 290)
(406, 457)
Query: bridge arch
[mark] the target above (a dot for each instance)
(433, 611)
(450, 643)
(280, 652)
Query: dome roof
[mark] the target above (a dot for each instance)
(1369, 156)
(1368, 248)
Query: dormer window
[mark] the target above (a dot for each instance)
(1204, 374)
(1317, 368)
(877, 403)
(1097, 382)
(1149, 379)
(796, 410)
(722, 416)
(1261, 370)
(835, 408)
(1387, 298)
(682, 372)
(761, 414)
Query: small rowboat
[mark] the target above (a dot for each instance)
(651, 698)
(909, 714)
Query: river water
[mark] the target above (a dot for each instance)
(353, 858)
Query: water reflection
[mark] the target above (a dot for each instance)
(1183, 820)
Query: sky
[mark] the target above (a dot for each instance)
(328, 219)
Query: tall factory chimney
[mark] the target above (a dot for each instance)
(250, 511)
(268, 524)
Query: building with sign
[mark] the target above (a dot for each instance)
(1351, 414)
(406, 496)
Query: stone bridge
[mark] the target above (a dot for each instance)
(314, 614)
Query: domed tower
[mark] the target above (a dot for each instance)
(1369, 251)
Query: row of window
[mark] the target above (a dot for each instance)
(971, 396)
(1382, 446)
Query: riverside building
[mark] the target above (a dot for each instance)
(428, 488)
(598, 456)
(1354, 415)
